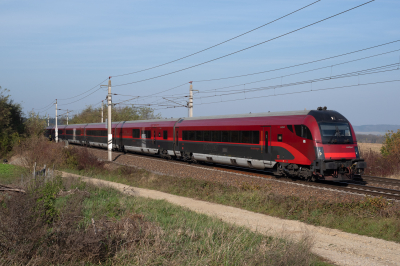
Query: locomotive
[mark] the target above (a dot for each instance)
(311, 144)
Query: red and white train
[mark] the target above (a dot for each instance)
(316, 144)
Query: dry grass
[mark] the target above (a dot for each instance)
(364, 147)
(127, 231)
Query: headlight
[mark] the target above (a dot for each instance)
(357, 153)
(320, 153)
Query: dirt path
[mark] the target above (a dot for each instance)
(337, 246)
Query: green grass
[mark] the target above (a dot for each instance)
(373, 217)
(8, 173)
(166, 234)
(195, 239)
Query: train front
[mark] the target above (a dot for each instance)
(337, 154)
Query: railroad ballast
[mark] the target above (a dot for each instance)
(309, 144)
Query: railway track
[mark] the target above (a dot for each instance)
(357, 187)
(382, 180)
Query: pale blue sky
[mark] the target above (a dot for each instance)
(55, 49)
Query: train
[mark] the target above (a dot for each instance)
(308, 144)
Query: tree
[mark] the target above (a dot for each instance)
(11, 122)
(34, 125)
(127, 113)
(391, 145)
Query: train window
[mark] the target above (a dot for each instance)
(147, 134)
(280, 137)
(306, 133)
(290, 127)
(224, 136)
(256, 137)
(77, 132)
(303, 131)
(199, 135)
(69, 132)
(192, 135)
(207, 135)
(136, 133)
(235, 136)
(246, 136)
(60, 132)
(100, 133)
(185, 135)
(165, 134)
(297, 128)
(216, 136)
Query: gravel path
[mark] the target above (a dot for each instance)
(173, 168)
(339, 247)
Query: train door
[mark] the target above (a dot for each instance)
(117, 139)
(176, 140)
(266, 137)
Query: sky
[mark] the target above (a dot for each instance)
(65, 50)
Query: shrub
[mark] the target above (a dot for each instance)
(386, 163)
(81, 159)
(58, 237)
(391, 145)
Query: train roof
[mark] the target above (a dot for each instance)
(320, 115)
(285, 113)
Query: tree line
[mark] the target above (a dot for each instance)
(16, 127)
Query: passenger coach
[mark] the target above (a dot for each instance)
(316, 144)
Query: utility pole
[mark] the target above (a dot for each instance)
(48, 120)
(190, 106)
(190, 103)
(109, 139)
(56, 129)
(109, 146)
(67, 117)
(102, 111)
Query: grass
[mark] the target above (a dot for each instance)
(84, 224)
(8, 172)
(373, 217)
(376, 147)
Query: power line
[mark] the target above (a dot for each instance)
(291, 74)
(311, 90)
(46, 106)
(83, 92)
(244, 49)
(302, 64)
(218, 43)
(370, 71)
(142, 97)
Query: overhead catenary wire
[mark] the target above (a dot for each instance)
(310, 90)
(297, 65)
(52, 103)
(379, 69)
(370, 71)
(289, 93)
(218, 44)
(252, 46)
(83, 92)
(282, 76)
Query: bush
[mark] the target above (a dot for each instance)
(81, 159)
(39, 150)
(30, 234)
(391, 145)
(386, 163)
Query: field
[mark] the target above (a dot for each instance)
(66, 221)
(364, 147)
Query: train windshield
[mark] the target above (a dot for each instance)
(333, 133)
